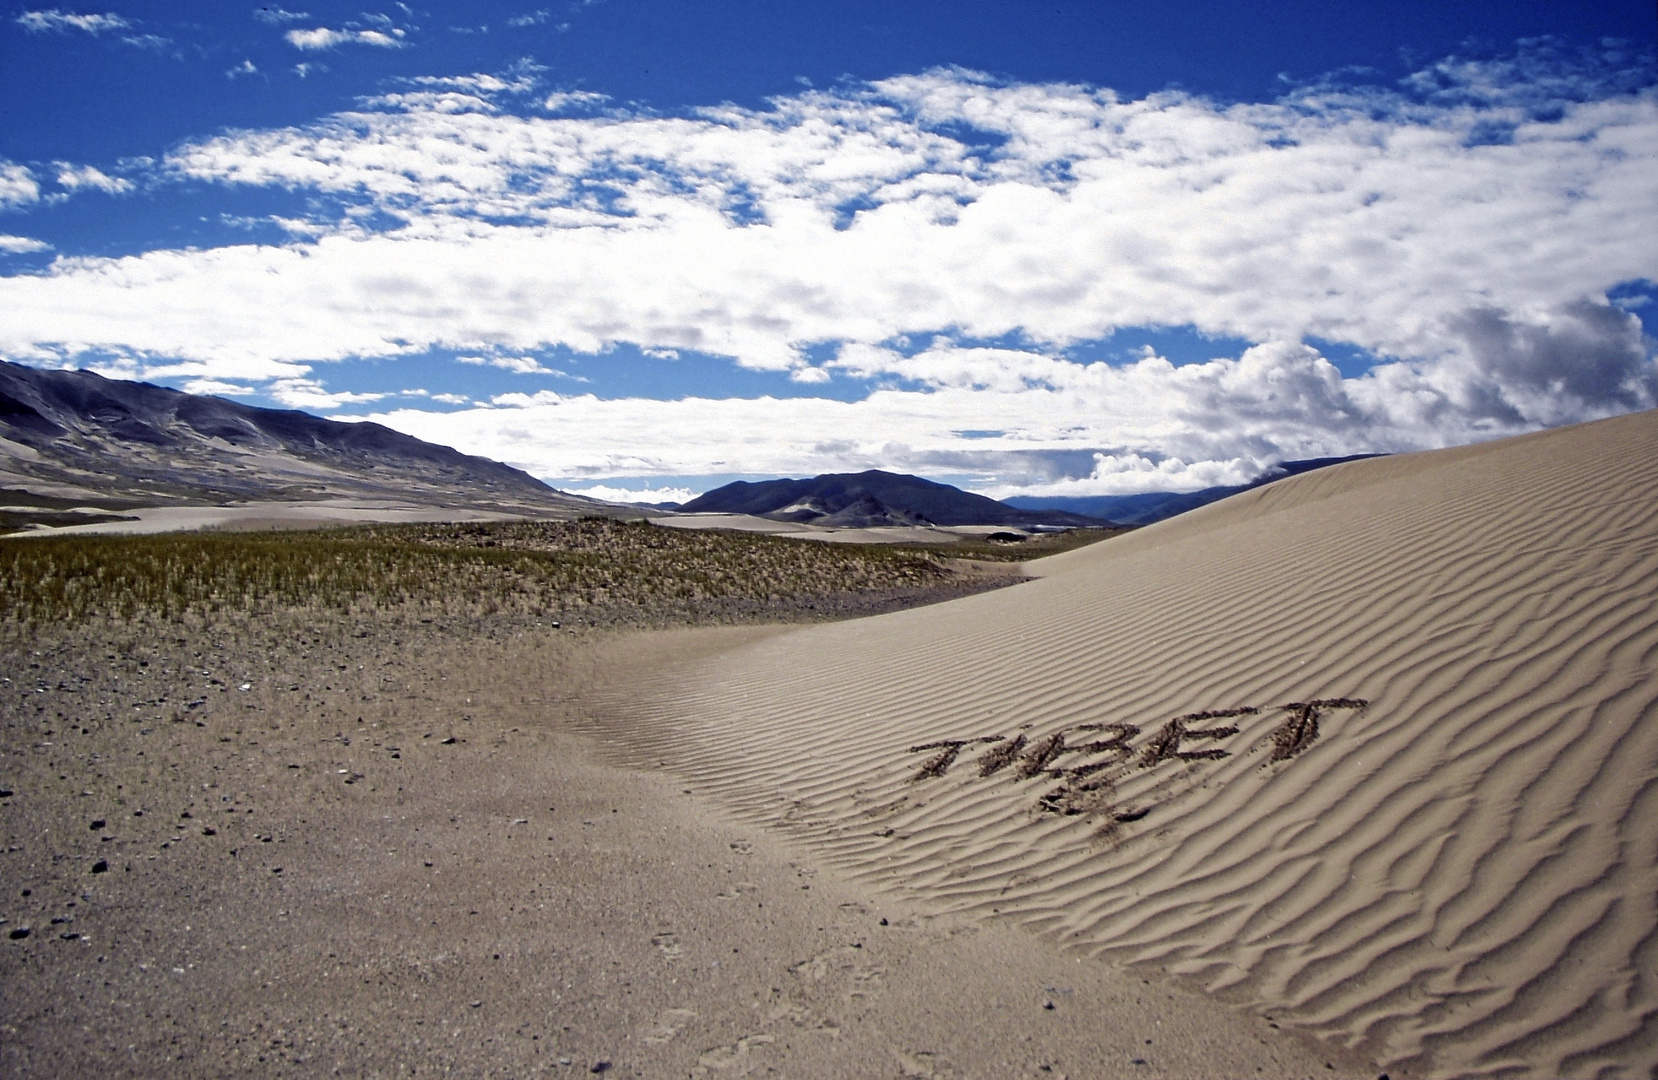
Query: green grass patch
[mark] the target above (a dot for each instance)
(477, 568)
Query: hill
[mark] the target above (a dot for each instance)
(873, 498)
(74, 436)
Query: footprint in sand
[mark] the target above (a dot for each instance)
(669, 1024)
(923, 1063)
(737, 1059)
(785, 1009)
(846, 963)
(737, 890)
(668, 942)
(742, 847)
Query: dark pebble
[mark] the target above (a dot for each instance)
(101, 866)
(20, 933)
(96, 825)
(449, 741)
(1048, 1005)
(209, 831)
(600, 1066)
(5, 792)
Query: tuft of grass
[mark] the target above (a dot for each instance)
(565, 566)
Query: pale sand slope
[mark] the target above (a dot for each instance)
(1457, 879)
(251, 516)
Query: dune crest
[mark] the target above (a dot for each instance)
(1375, 748)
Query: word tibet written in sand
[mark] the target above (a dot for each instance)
(1096, 765)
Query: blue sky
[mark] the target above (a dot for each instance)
(1031, 248)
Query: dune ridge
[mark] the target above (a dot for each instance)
(1457, 878)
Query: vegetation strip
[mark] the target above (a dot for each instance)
(627, 571)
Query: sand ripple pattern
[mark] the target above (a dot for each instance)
(1459, 878)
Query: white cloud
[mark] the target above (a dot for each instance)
(17, 185)
(22, 245)
(275, 16)
(950, 208)
(324, 38)
(86, 176)
(611, 493)
(246, 67)
(302, 393)
(518, 365)
(218, 388)
(61, 21)
(1148, 425)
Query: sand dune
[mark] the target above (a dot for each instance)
(1456, 877)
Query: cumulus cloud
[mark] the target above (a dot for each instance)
(1070, 428)
(22, 245)
(1465, 231)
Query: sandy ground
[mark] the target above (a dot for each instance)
(306, 847)
(1369, 755)
(887, 534)
(274, 515)
(1372, 749)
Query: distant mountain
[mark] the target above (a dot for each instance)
(1152, 506)
(74, 432)
(859, 500)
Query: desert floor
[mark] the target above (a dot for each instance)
(310, 845)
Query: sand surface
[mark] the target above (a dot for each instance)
(303, 846)
(800, 530)
(1423, 824)
(275, 515)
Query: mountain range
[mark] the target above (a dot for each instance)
(68, 436)
(874, 498)
(1152, 506)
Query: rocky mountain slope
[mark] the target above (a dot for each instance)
(861, 500)
(78, 436)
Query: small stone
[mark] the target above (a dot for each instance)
(883, 922)
(473, 1004)
(599, 1066)
(101, 866)
(97, 824)
(450, 741)
(208, 830)
(276, 869)
(20, 933)
(1048, 1005)
(5, 792)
